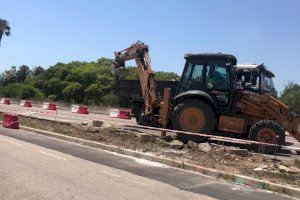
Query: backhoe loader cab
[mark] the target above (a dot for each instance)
(256, 78)
(209, 78)
(207, 72)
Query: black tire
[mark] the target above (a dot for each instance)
(141, 119)
(270, 129)
(208, 122)
(138, 117)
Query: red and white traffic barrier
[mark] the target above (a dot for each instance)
(81, 109)
(124, 114)
(10, 121)
(114, 113)
(49, 106)
(5, 101)
(25, 103)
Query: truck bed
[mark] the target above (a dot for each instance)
(128, 91)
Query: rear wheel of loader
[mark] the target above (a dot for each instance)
(267, 131)
(193, 116)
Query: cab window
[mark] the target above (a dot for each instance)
(217, 76)
(192, 78)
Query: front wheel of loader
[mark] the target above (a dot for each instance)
(267, 131)
(138, 114)
(193, 116)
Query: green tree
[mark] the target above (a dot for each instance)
(166, 76)
(93, 94)
(38, 71)
(4, 29)
(131, 73)
(291, 96)
(55, 87)
(74, 92)
(22, 73)
(9, 76)
(105, 62)
(29, 92)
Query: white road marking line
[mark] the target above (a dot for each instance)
(52, 155)
(15, 143)
(111, 174)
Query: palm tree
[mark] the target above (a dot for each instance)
(4, 28)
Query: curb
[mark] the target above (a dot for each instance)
(237, 179)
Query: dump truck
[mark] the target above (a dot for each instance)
(129, 92)
(213, 95)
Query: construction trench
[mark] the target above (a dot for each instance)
(223, 154)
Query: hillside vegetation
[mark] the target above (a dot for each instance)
(76, 82)
(291, 96)
(88, 83)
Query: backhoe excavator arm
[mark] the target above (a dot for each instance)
(140, 53)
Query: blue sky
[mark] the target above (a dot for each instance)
(45, 32)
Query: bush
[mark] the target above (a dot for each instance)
(29, 92)
(291, 96)
(110, 100)
(11, 90)
(21, 91)
(52, 97)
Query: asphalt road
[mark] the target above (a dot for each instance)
(39, 167)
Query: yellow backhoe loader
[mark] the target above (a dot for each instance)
(214, 94)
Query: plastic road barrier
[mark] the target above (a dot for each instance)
(5, 101)
(25, 103)
(114, 113)
(49, 106)
(124, 114)
(10, 121)
(82, 109)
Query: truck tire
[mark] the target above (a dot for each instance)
(267, 131)
(193, 116)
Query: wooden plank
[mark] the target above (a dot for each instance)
(230, 140)
(219, 138)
